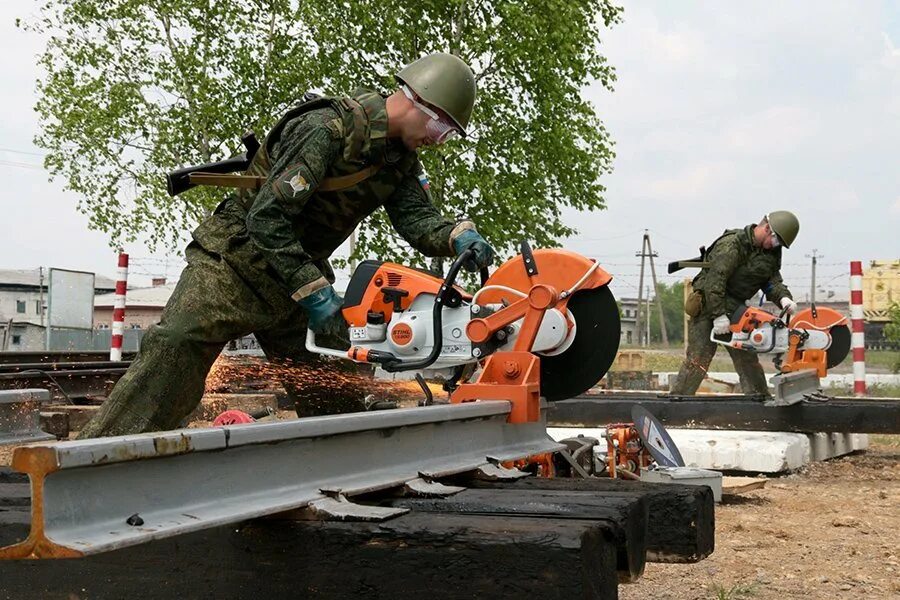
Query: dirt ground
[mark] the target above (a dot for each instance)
(831, 530)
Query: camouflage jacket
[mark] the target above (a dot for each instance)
(738, 269)
(297, 227)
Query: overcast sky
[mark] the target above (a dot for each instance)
(722, 112)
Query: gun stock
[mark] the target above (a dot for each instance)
(179, 180)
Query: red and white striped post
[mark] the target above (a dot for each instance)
(858, 336)
(118, 319)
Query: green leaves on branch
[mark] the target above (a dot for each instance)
(135, 88)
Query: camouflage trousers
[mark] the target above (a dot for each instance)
(212, 304)
(700, 352)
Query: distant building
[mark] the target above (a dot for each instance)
(881, 289)
(628, 320)
(143, 306)
(23, 307)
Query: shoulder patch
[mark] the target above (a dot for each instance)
(294, 182)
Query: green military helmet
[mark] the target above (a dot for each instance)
(785, 225)
(445, 81)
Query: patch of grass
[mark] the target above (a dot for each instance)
(888, 359)
(735, 592)
(875, 390)
(892, 441)
(671, 360)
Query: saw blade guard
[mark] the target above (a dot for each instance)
(830, 322)
(591, 314)
(564, 270)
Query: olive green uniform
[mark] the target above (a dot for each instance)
(261, 251)
(738, 269)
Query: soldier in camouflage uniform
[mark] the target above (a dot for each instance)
(741, 263)
(259, 264)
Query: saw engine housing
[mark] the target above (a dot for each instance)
(389, 310)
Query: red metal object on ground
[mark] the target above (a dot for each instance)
(232, 417)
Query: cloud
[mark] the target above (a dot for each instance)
(775, 130)
(891, 57)
(723, 112)
(698, 181)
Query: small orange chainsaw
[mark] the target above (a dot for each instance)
(804, 348)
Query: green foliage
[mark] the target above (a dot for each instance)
(672, 297)
(135, 88)
(892, 330)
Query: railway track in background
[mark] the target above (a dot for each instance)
(67, 381)
(840, 414)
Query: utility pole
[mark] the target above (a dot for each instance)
(640, 302)
(648, 253)
(812, 285)
(662, 318)
(647, 339)
(41, 292)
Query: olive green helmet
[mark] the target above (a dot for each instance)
(785, 225)
(445, 81)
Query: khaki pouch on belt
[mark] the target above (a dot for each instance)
(693, 304)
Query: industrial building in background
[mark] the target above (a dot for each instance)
(881, 289)
(144, 308)
(24, 307)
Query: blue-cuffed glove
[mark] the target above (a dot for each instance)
(484, 254)
(323, 307)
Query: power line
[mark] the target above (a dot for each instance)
(22, 152)
(9, 163)
(605, 239)
(665, 237)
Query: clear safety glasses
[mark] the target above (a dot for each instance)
(439, 128)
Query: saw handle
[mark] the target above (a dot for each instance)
(783, 314)
(714, 339)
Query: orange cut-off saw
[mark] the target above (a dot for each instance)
(544, 324)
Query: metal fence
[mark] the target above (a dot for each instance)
(95, 339)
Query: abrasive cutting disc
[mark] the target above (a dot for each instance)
(840, 346)
(656, 439)
(593, 350)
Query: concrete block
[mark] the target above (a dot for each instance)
(828, 445)
(744, 451)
